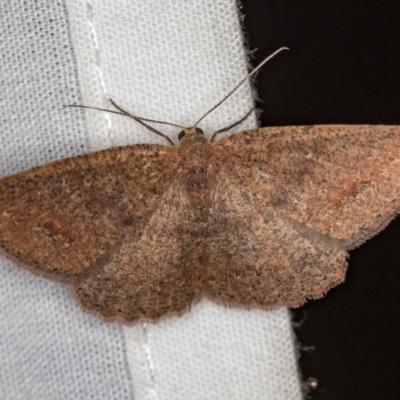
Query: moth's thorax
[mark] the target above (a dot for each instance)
(198, 168)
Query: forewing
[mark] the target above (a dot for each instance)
(258, 257)
(340, 180)
(152, 272)
(60, 218)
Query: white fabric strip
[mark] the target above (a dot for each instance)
(173, 60)
(49, 348)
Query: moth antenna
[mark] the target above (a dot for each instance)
(136, 118)
(92, 108)
(240, 84)
(123, 112)
(141, 120)
(214, 136)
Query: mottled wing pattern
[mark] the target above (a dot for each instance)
(59, 219)
(128, 227)
(288, 203)
(259, 257)
(149, 273)
(339, 180)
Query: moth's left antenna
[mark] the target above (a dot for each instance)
(240, 84)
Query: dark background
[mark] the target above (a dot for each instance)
(343, 67)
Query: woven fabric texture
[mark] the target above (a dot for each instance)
(169, 60)
(49, 349)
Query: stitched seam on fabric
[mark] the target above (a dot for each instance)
(150, 364)
(126, 361)
(99, 72)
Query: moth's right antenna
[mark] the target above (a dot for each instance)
(240, 84)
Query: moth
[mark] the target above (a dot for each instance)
(261, 218)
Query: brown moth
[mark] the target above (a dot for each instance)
(261, 218)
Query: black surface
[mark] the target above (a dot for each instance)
(343, 67)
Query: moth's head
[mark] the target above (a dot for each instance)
(191, 136)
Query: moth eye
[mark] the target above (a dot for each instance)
(181, 135)
(198, 130)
